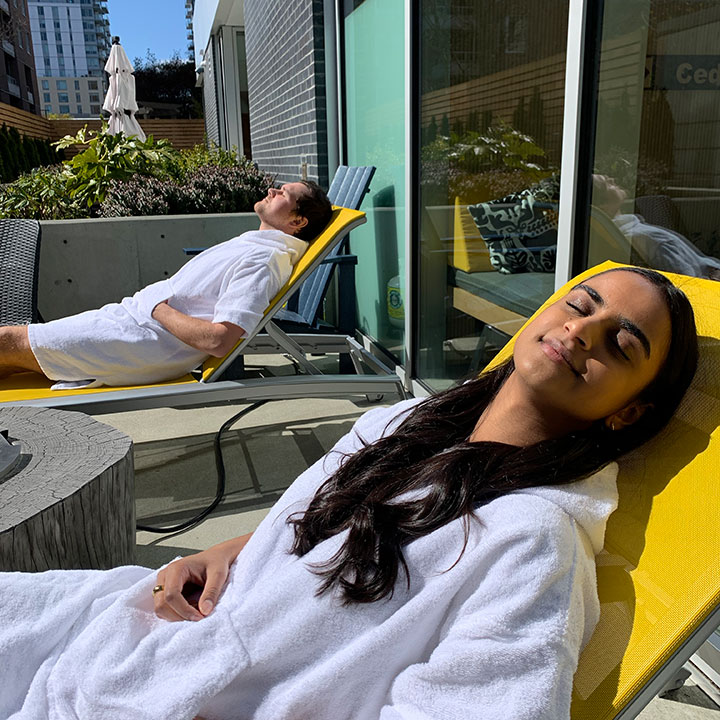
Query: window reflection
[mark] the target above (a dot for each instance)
(492, 85)
(653, 241)
(656, 185)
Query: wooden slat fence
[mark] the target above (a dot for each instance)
(500, 93)
(181, 133)
(26, 123)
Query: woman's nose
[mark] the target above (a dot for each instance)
(582, 330)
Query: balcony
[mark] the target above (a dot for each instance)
(8, 47)
(13, 87)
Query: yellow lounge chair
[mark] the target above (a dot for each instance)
(659, 572)
(33, 389)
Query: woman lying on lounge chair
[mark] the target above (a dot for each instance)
(437, 563)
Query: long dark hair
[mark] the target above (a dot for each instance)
(429, 453)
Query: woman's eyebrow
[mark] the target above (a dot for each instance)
(625, 324)
(594, 294)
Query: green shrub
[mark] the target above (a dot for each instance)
(477, 166)
(204, 155)
(117, 176)
(111, 157)
(20, 154)
(207, 189)
(32, 156)
(9, 154)
(41, 195)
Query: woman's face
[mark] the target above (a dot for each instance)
(590, 354)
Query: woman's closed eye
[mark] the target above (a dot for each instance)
(614, 344)
(578, 307)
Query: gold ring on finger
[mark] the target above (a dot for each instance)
(157, 589)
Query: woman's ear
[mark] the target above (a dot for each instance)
(629, 415)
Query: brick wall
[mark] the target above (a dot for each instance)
(286, 83)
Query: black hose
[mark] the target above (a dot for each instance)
(220, 466)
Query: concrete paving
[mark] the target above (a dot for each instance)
(264, 452)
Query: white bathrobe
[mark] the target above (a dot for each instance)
(121, 343)
(495, 634)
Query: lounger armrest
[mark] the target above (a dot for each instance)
(340, 260)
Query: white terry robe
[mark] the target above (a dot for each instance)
(121, 343)
(494, 635)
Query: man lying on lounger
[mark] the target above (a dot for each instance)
(171, 326)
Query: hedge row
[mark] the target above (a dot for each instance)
(20, 154)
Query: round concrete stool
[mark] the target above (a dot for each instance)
(67, 499)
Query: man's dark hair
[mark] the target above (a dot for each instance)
(315, 207)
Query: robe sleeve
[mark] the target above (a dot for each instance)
(249, 290)
(510, 646)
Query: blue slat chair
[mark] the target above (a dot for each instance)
(302, 314)
(303, 309)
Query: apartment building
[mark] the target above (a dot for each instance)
(189, 9)
(71, 39)
(18, 84)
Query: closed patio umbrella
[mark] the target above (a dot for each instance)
(120, 98)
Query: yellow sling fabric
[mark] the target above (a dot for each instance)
(469, 251)
(659, 573)
(30, 386)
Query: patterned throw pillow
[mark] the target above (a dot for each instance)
(520, 231)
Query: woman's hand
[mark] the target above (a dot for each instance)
(191, 586)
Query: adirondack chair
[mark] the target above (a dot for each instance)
(301, 316)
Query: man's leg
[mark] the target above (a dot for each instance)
(15, 352)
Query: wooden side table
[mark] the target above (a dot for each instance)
(68, 501)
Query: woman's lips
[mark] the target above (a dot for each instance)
(558, 353)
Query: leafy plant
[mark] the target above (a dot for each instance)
(114, 175)
(42, 195)
(111, 157)
(481, 165)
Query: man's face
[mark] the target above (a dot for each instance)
(278, 210)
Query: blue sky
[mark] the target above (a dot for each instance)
(158, 25)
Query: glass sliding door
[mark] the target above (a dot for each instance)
(656, 170)
(655, 177)
(491, 84)
(374, 79)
